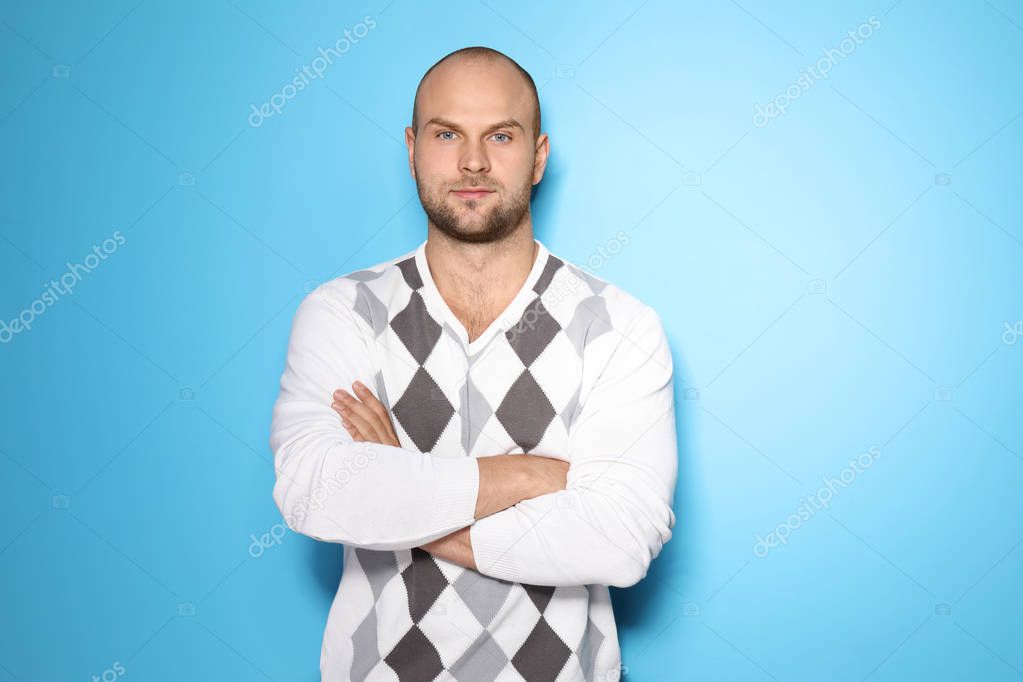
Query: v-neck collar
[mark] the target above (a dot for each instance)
(508, 317)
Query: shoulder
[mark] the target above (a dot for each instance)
(618, 337)
(361, 297)
(586, 296)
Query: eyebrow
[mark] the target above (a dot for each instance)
(444, 123)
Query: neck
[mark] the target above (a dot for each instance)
(478, 281)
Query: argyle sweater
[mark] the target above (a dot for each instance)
(574, 368)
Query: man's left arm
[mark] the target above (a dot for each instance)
(616, 513)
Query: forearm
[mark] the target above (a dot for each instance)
(371, 495)
(332, 488)
(504, 481)
(455, 547)
(576, 537)
(616, 513)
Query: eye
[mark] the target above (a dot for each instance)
(503, 134)
(445, 132)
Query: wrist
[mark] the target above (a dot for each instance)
(504, 481)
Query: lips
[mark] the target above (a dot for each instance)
(473, 192)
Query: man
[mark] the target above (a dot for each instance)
(488, 429)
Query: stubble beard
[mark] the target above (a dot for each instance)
(469, 224)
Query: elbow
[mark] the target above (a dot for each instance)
(628, 558)
(293, 513)
(307, 493)
(627, 569)
(628, 576)
(309, 507)
(329, 506)
(305, 513)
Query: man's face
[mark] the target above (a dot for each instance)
(468, 138)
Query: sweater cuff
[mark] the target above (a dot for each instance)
(492, 543)
(456, 501)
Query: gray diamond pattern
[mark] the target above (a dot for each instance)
(525, 412)
(590, 321)
(484, 596)
(365, 642)
(588, 648)
(543, 654)
(424, 582)
(423, 410)
(415, 658)
(533, 332)
(474, 411)
(416, 329)
(370, 308)
(483, 661)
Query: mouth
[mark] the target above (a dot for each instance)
(472, 192)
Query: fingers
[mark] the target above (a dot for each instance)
(365, 414)
(352, 431)
(349, 427)
(377, 407)
(360, 416)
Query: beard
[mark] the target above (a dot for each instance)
(470, 222)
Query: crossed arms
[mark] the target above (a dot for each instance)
(523, 518)
(504, 480)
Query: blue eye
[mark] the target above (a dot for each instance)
(444, 132)
(504, 134)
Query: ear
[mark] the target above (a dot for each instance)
(543, 151)
(410, 142)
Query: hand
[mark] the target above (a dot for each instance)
(548, 475)
(364, 417)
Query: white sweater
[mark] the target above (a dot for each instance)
(575, 368)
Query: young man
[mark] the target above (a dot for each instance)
(488, 429)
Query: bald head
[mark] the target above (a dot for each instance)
(459, 68)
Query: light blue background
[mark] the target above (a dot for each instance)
(124, 501)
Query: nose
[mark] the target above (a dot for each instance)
(474, 157)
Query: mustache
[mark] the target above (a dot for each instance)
(475, 183)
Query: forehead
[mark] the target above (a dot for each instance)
(475, 92)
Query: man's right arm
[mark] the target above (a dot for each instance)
(506, 480)
(332, 488)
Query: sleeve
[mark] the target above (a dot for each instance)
(616, 513)
(334, 489)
